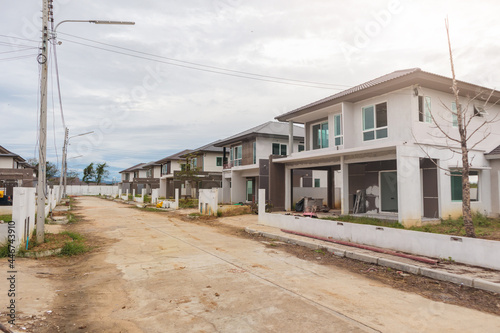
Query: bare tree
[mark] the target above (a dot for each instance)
(464, 142)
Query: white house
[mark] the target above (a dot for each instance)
(379, 142)
(248, 167)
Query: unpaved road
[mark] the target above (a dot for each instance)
(155, 273)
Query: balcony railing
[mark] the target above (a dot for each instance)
(231, 164)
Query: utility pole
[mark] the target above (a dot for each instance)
(63, 166)
(42, 150)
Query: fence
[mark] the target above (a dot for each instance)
(472, 251)
(92, 190)
(23, 215)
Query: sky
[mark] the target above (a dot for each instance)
(192, 72)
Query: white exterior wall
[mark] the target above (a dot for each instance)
(210, 162)
(6, 162)
(264, 146)
(157, 171)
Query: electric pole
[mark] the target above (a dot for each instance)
(63, 166)
(42, 150)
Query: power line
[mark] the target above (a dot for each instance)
(18, 57)
(15, 37)
(206, 68)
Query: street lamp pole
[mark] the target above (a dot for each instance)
(65, 156)
(47, 10)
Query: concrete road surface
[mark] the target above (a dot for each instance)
(156, 273)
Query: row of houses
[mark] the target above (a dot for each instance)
(14, 172)
(387, 147)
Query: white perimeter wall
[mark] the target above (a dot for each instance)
(465, 250)
(92, 190)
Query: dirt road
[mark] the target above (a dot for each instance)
(155, 273)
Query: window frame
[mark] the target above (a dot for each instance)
(456, 177)
(280, 148)
(254, 152)
(323, 143)
(338, 138)
(376, 130)
(218, 161)
(424, 109)
(454, 114)
(317, 182)
(237, 155)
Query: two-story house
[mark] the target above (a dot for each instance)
(14, 171)
(168, 166)
(382, 138)
(137, 177)
(248, 167)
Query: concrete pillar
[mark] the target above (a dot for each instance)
(344, 189)
(288, 188)
(176, 198)
(262, 203)
(409, 188)
(290, 137)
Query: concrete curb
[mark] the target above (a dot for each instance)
(413, 269)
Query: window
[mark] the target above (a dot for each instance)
(164, 169)
(183, 167)
(254, 152)
(148, 173)
(237, 155)
(375, 122)
(136, 174)
(194, 162)
(301, 147)
(337, 130)
(454, 114)
(424, 109)
(320, 135)
(279, 149)
(317, 182)
(456, 185)
(218, 161)
(127, 176)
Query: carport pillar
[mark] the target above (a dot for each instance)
(409, 188)
(290, 137)
(288, 188)
(344, 189)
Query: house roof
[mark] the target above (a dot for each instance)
(495, 151)
(133, 168)
(7, 153)
(269, 129)
(390, 82)
(208, 148)
(174, 157)
(149, 165)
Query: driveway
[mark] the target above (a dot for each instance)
(156, 273)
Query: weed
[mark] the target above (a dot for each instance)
(188, 203)
(194, 214)
(130, 197)
(4, 250)
(73, 248)
(366, 220)
(147, 199)
(219, 213)
(320, 251)
(6, 218)
(73, 235)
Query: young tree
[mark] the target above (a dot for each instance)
(101, 172)
(464, 142)
(189, 170)
(88, 173)
(51, 168)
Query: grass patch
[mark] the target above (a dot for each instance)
(4, 250)
(147, 198)
(486, 227)
(130, 197)
(188, 203)
(74, 248)
(194, 214)
(366, 220)
(6, 218)
(234, 211)
(73, 235)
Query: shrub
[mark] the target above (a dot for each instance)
(73, 248)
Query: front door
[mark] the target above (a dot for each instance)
(389, 191)
(250, 189)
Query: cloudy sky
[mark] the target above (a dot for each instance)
(191, 72)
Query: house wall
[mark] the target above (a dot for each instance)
(156, 171)
(210, 162)
(265, 146)
(495, 187)
(7, 162)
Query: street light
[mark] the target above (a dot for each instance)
(47, 12)
(64, 168)
(91, 21)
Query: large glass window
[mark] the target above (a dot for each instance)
(424, 109)
(456, 185)
(320, 135)
(337, 130)
(279, 149)
(237, 154)
(301, 147)
(218, 161)
(375, 122)
(254, 152)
